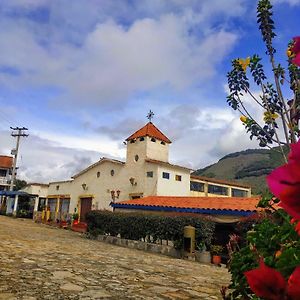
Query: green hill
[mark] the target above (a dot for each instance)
(250, 167)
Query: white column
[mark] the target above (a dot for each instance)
(249, 193)
(36, 203)
(16, 205)
(229, 192)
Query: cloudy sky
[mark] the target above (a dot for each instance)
(83, 74)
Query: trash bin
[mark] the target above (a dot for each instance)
(189, 240)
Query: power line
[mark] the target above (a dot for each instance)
(17, 132)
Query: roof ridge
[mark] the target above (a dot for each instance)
(95, 164)
(146, 131)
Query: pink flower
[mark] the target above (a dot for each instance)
(296, 51)
(290, 200)
(294, 155)
(284, 183)
(269, 284)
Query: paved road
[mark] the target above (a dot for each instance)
(41, 262)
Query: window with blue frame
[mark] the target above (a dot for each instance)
(197, 186)
(217, 189)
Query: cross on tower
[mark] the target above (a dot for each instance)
(150, 115)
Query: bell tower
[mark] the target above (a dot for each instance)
(148, 143)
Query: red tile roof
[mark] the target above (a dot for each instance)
(6, 161)
(149, 130)
(213, 180)
(209, 203)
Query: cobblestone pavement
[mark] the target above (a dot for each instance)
(42, 262)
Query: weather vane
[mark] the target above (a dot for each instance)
(150, 115)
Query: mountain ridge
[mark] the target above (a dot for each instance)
(249, 166)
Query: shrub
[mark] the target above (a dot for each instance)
(271, 238)
(150, 228)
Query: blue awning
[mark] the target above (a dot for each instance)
(225, 212)
(15, 193)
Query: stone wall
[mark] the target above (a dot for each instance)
(139, 245)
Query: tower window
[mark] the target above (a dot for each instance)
(142, 139)
(178, 177)
(57, 187)
(132, 141)
(149, 174)
(112, 172)
(136, 157)
(163, 143)
(153, 140)
(98, 174)
(166, 175)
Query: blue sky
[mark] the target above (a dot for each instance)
(82, 75)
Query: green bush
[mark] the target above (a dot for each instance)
(150, 228)
(271, 238)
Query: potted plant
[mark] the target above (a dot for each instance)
(216, 251)
(75, 218)
(201, 253)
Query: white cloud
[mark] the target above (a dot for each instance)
(103, 55)
(45, 159)
(113, 61)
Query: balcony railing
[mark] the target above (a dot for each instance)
(4, 181)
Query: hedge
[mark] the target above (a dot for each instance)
(150, 228)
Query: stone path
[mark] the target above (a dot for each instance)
(41, 262)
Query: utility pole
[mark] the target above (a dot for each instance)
(17, 132)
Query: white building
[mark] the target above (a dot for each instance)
(146, 172)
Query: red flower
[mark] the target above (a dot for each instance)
(297, 228)
(284, 183)
(297, 225)
(269, 284)
(296, 51)
(294, 284)
(266, 282)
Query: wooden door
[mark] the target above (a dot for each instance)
(85, 207)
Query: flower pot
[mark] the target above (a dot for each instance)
(216, 259)
(203, 257)
(75, 222)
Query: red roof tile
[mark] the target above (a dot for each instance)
(6, 162)
(149, 130)
(215, 203)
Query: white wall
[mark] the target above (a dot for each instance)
(171, 187)
(147, 149)
(35, 189)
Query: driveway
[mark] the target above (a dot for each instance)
(41, 262)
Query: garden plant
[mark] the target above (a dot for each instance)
(150, 228)
(265, 263)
